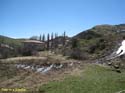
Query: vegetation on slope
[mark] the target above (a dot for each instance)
(10, 41)
(13, 47)
(100, 40)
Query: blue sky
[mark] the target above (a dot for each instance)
(25, 18)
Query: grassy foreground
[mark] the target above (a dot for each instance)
(93, 79)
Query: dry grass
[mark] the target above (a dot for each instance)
(21, 78)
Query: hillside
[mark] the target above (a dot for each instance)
(68, 68)
(9, 47)
(10, 41)
(100, 40)
(101, 31)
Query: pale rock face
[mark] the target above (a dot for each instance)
(48, 68)
(123, 43)
(40, 69)
(121, 50)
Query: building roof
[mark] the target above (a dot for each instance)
(33, 41)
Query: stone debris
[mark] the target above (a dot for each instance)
(43, 68)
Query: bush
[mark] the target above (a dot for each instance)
(26, 52)
(78, 54)
(6, 53)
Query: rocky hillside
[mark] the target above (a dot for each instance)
(100, 40)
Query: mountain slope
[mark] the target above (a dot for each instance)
(10, 41)
(101, 30)
(9, 47)
(100, 40)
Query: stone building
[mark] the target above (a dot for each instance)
(33, 46)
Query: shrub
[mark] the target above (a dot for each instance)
(78, 54)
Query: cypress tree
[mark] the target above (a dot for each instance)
(48, 38)
(43, 38)
(40, 38)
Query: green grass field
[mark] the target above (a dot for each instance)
(93, 79)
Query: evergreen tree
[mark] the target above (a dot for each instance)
(74, 43)
(43, 38)
(48, 38)
(52, 41)
(40, 38)
(55, 35)
(56, 40)
(64, 38)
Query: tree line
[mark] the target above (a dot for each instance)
(51, 40)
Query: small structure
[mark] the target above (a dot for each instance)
(33, 46)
